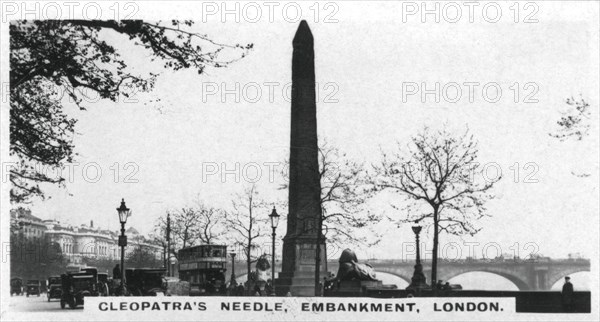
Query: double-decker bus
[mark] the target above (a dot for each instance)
(204, 267)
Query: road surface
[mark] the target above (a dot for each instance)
(36, 304)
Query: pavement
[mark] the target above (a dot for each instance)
(36, 304)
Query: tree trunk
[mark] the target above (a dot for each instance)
(248, 259)
(435, 250)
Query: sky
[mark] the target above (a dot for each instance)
(171, 151)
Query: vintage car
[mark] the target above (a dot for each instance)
(33, 287)
(16, 286)
(146, 281)
(76, 286)
(54, 288)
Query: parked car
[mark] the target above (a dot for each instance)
(54, 288)
(16, 286)
(146, 281)
(76, 286)
(34, 287)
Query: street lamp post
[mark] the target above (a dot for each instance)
(232, 282)
(168, 231)
(417, 231)
(274, 222)
(123, 212)
(418, 281)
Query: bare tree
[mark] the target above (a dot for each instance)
(343, 196)
(246, 222)
(183, 237)
(575, 120)
(190, 226)
(185, 227)
(211, 222)
(574, 124)
(436, 172)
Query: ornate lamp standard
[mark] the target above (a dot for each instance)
(168, 257)
(123, 212)
(232, 282)
(418, 281)
(274, 222)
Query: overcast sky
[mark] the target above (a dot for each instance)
(362, 62)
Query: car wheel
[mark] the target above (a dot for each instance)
(62, 304)
(27, 295)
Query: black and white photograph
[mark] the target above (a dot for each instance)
(307, 160)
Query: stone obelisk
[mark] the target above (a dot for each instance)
(303, 225)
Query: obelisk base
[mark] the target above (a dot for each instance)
(300, 279)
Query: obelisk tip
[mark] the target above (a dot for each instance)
(303, 34)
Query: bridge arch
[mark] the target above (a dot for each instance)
(560, 274)
(394, 272)
(517, 281)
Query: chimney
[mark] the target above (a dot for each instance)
(91, 224)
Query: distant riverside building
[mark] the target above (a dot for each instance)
(30, 226)
(77, 243)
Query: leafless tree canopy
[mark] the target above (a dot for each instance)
(574, 122)
(247, 221)
(344, 192)
(343, 197)
(191, 226)
(440, 170)
(440, 178)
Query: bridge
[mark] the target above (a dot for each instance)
(527, 275)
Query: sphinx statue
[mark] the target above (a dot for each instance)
(263, 268)
(258, 278)
(350, 269)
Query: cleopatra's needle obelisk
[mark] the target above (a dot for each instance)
(303, 228)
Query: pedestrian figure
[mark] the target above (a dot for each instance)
(567, 295)
(257, 290)
(117, 272)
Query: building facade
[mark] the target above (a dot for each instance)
(82, 242)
